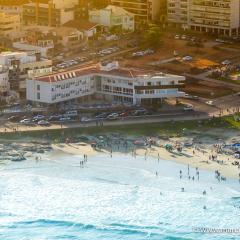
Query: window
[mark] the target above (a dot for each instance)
(38, 87)
(38, 95)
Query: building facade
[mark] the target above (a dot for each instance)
(9, 24)
(4, 81)
(12, 6)
(54, 13)
(108, 81)
(218, 17)
(113, 16)
(145, 11)
(19, 63)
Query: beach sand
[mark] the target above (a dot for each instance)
(189, 155)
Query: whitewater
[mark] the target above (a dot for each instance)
(118, 197)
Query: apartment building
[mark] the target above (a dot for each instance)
(10, 24)
(108, 81)
(216, 16)
(54, 13)
(12, 6)
(145, 11)
(4, 81)
(81, 11)
(113, 16)
(19, 63)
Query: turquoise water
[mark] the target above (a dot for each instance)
(113, 198)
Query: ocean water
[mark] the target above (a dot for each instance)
(113, 198)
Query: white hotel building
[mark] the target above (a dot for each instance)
(109, 82)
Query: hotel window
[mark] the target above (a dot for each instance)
(38, 95)
(38, 87)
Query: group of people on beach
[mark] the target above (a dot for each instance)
(84, 161)
(188, 173)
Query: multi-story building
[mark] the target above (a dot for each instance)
(54, 13)
(217, 16)
(113, 16)
(12, 6)
(4, 81)
(144, 10)
(81, 11)
(19, 63)
(177, 12)
(108, 81)
(9, 24)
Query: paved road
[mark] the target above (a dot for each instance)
(181, 116)
(224, 105)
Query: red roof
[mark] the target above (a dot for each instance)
(80, 24)
(93, 69)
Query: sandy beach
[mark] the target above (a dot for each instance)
(194, 155)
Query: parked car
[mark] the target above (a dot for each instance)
(113, 116)
(220, 40)
(43, 123)
(73, 113)
(85, 119)
(54, 118)
(102, 116)
(124, 114)
(226, 62)
(65, 119)
(191, 97)
(210, 103)
(183, 37)
(187, 58)
(188, 108)
(38, 118)
(27, 122)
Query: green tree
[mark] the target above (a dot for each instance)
(152, 37)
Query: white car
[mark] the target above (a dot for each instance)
(210, 103)
(226, 62)
(26, 120)
(113, 116)
(183, 37)
(188, 108)
(43, 123)
(187, 58)
(138, 54)
(86, 119)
